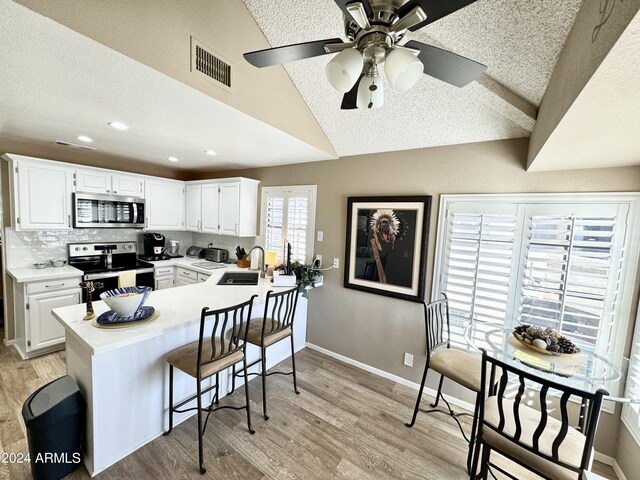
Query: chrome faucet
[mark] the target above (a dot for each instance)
(263, 268)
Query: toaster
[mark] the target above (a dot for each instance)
(216, 254)
(195, 252)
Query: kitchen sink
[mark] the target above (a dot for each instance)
(239, 278)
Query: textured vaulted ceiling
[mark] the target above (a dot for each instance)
(519, 40)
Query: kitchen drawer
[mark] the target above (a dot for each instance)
(183, 272)
(53, 285)
(163, 271)
(203, 277)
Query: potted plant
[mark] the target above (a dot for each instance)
(306, 275)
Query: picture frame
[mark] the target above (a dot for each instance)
(386, 245)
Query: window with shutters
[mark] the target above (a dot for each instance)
(288, 213)
(631, 411)
(560, 261)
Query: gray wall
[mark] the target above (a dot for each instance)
(377, 330)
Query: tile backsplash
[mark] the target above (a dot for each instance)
(27, 247)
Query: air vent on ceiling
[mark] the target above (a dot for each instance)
(210, 65)
(73, 145)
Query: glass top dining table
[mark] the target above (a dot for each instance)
(586, 370)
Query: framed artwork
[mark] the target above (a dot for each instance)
(386, 250)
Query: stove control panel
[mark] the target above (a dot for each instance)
(89, 249)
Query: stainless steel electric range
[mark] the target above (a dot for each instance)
(103, 262)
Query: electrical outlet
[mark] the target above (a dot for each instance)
(320, 236)
(318, 261)
(336, 263)
(408, 359)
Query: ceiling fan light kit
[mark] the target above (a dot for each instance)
(345, 69)
(403, 69)
(376, 31)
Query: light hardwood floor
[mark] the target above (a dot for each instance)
(346, 423)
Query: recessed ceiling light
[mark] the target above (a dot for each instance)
(119, 125)
(84, 138)
(172, 159)
(211, 152)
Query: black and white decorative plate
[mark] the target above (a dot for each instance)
(111, 317)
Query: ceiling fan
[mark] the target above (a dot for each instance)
(376, 31)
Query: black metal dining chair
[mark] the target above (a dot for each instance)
(458, 365)
(208, 356)
(275, 325)
(560, 449)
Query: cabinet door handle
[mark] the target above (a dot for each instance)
(115, 191)
(58, 285)
(69, 220)
(108, 191)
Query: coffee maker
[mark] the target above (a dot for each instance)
(154, 247)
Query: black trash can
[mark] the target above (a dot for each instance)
(54, 417)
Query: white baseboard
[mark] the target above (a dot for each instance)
(389, 376)
(618, 470)
(607, 460)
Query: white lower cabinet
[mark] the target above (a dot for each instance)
(37, 330)
(185, 277)
(164, 277)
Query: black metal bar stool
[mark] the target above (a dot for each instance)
(275, 325)
(460, 366)
(209, 356)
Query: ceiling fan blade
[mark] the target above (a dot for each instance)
(342, 4)
(288, 53)
(435, 10)
(447, 66)
(351, 97)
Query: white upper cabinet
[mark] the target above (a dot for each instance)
(97, 181)
(210, 203)
(164, 204)
(43, 194)
(225, 207)
(229, 210)
(193, 198)
(127, 185)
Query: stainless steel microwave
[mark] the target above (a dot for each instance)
(107, 211)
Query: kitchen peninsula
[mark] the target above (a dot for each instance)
(122, 372)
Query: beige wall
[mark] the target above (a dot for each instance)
(580, 57)
(627, 456)
(157, 33)
(377, 330)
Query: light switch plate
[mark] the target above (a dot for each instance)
(408, 360)
(320, 236)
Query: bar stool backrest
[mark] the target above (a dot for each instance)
(281, 308)
(436, 319)
(235, 319)
(586, 421)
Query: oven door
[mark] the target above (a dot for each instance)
(109, 281)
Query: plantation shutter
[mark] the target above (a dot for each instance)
(274, 222)
(631, 412)
(572, 272)
(297, 225)
(288, 214)
(478, 265)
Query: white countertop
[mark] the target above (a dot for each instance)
(187, 262)
(178, 306)
(32, 274)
